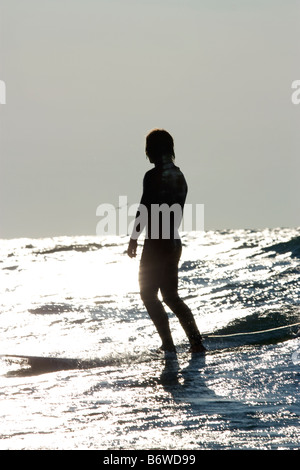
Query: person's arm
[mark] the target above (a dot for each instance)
(132, 247)
(140, 220)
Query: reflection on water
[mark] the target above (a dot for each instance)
(77, 297)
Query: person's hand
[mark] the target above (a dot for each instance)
(132, 247)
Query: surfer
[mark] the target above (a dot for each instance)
(163, 185)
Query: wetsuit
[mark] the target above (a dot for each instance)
(164, 184)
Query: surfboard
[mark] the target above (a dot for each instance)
(44, 364)
(213, 342)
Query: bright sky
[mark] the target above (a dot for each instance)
(87, 79)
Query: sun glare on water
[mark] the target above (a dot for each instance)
(102, 274)
(116, 277)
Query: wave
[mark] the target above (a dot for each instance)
(267, 327)
(53, 308)
(291, 246)
(73, 247)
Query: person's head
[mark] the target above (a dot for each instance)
(159, 143)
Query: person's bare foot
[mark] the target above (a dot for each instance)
(197, 348)
(170, 348)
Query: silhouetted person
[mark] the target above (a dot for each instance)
(164, 184)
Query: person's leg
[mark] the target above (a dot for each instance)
(149, 280)
(169, 290)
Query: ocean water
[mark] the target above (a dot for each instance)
(77, 298)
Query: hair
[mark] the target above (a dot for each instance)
(159, 143)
